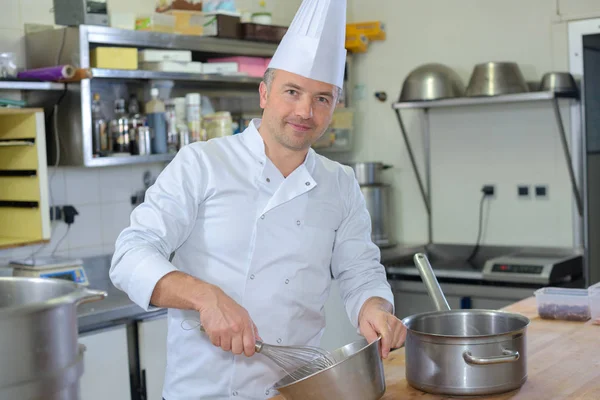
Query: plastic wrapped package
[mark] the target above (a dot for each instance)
(562, 303)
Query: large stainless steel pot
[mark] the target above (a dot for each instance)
(368, 173)
(379, 205)
(356, 375)
(463, 352)
(39, 354)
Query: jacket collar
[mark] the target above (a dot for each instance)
(254, 141)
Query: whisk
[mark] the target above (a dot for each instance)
(296, 361)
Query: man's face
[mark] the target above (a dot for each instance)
(297, 110)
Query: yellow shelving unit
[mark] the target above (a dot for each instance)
(24, 205)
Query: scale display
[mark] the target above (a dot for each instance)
(518, 268)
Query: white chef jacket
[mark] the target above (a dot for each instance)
(271, 243)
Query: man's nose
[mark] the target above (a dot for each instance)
(304, 109)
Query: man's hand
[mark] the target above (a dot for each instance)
(376, 319)
(228, 324)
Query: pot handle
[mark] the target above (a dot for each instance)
(85, 295)
(509, 356)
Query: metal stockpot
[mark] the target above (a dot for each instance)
(39, 354)
(357, 375)
(463, 352)
(368, 173)
(379, 205)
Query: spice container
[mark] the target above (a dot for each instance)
(194, 116)
(563, 304)
(218, 124)
(594, 297)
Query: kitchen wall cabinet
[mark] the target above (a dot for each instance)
(106, 365)
(152, 345)
(24, 205)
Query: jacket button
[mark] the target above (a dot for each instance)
(262, 216)
(267, 392)
(307, 183)
(287, 281)
(268, 180)
(279, 340)
(252, 276)
(235, 393)
(298, 222)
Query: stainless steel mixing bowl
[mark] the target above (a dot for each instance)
(494, 78)
(431, 82)
(356, 375)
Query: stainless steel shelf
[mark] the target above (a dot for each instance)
(126, 37)
(177, 76)
(472, 101)
(27, 85)
(127, 160)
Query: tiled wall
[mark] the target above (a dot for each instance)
(102, 197)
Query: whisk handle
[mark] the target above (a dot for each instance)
(257, 346)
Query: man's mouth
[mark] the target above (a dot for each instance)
(300, 127)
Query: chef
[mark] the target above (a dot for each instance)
(243, 234)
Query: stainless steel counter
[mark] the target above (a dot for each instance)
(116, 308)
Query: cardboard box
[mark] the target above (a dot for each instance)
(114, 57)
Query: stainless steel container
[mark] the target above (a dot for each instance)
(463, 352)
(496, 78)
(432, 82)
(357, 375)
(39, 354)
(378, 199)
(142, 143)
(368, 173)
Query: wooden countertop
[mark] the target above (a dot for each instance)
(562, 362)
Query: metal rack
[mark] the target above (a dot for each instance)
(477, 101)
(30, 85)
(72, 45)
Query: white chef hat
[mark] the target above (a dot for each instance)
(314, 45)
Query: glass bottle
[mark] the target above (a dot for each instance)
(119, 128)
(100, 139)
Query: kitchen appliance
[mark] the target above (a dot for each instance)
(431, 82)
(41, 358)
(533, 266)
(357, 375)
(525, 267)
(463, 352)
(80, 12)
(369, 173)
(495, 78)
(51, 267)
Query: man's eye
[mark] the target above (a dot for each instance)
(292, 92)
(323, 99)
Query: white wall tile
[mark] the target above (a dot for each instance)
(115, 184)
(83, 186)
(56, 186)
(86, 231)
(10, 17)
(115, 218)
(37, 12)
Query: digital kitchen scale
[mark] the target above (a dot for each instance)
(51, 267)
(537, 268)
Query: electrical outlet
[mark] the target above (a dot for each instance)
(541, 191)
(523, 191)
(56, 213)
(488, 190)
